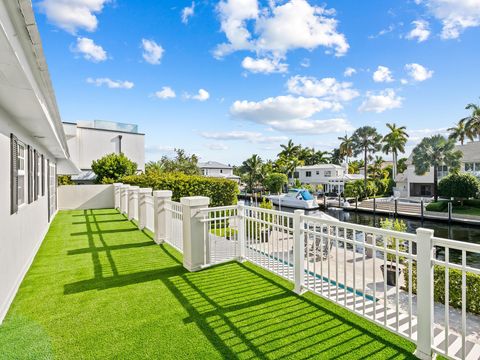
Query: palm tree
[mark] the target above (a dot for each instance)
(472, 122)
(290, 150)
(459, 132)
(434, 152)
(376, 169)
(306, 155)
(346, 147)
(395, 142)
(320, 157)
(366, 140)
(252, 167)
(336, 157)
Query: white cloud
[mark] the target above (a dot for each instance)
(264, 65)
(305, 63)
(382, 74)
(289, 113)
(152, 52)
(250, 136)
(188, 12)
(326, 88)
(420, 32)
(166, 93)
(418, 72)
(73, 15)
(381, 101)
(112, 84)
(90, 50)
(217, 146)
(455, 15)
(382, 32)
(155, 149)
(202, 95)
(277, 29)
(349, 71)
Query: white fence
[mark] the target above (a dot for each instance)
(385, 276)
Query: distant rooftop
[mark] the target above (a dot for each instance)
(109, 125)
(213, 165)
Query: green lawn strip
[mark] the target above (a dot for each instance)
(99, 288)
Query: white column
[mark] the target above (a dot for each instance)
(194, 249)
(133, 202)
(424, 294)
(299, 251)
(124, 198)
(160, 215)
(116, 189)
(142, 207)
(241, 230)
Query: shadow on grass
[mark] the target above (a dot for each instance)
(243, 312)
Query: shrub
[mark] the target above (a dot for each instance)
(395, 225)
(459, 186)
(455, 287)
(113, 167)
(65, 180)
(222, 192)
(274, 182)
(439, 206)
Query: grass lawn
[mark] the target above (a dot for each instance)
(99, 288)
(470, 207)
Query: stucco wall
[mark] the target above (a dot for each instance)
(71, 197)
(22, 233)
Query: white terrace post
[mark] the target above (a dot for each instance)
(299, 251)
(242, 243)
(142, 207)
(194, 249)
(116, 192)
(133, 202)
(424, 294)
(160, 214)
(124, 198)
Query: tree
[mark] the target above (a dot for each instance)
(252, 168)
(336, 157)
(290, 150)
(472, 122)
(434, 152)
(113, 167)
(354, 188)
(355, 166)
(402, 165)
(394, 142)
(458, 132)
(274, 182)
(376, 170)
(366, 140)
(320, 157)
(346, 147)
(459, 186)
(183, 163)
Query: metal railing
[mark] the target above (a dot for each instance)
(174, 224)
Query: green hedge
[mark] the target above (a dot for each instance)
(222, 192)
(455, 286)
(440, 206)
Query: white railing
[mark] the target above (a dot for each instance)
(385, 276)
(174, 224)
(220, 228)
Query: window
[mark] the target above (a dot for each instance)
(42, 169)
(308, 174)
(221, 171)
(317, 172)
(21, 174)
(470, 167)
(36, 188)
(296, 175)
(477, 166)
(442, 171)
(327, 173)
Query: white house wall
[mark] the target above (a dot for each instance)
(22, 233)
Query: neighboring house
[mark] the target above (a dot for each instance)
(408, 184)
(332, 177)
(91, 140)
(33, 147)
(217, 170)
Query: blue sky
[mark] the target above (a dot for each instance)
(225, 79)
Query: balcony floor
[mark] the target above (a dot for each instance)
(100, 288)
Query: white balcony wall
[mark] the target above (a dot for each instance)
(81, 197)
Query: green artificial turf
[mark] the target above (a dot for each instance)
(99, 288)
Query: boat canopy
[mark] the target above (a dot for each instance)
(300, 194)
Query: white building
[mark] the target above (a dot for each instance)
(90, 140)
(33, 147)
(217, 170)
(408, 184)
(332, 177)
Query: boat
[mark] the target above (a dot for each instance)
(295, 198)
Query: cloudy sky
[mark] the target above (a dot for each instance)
(225, 79)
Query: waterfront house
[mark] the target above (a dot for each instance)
(332, 177)
(91, 140)
(33, 147)
(409, 184)
(218, 170)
